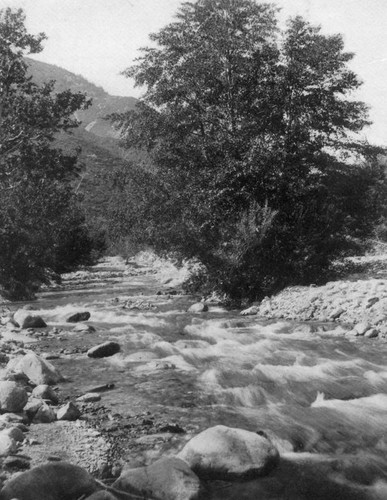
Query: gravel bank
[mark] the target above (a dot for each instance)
(360, 304)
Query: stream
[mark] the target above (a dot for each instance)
(321, 397)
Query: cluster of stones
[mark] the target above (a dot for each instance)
(217, 453)
(27, 396)
(361, 304)
(26, 393)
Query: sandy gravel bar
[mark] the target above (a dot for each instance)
(362, 304)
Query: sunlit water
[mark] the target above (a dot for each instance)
(322, 398)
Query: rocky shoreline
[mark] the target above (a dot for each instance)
(358, 304)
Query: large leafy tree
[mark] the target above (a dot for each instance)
(37, 214)
(252, 135)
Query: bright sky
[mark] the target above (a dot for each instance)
(100, 38)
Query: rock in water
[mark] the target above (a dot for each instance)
(79, 316)
(250, 311)
(25, 319)
(104, 350)
(37, 370)
(167, 478)
(83, 328)
(12, 397)
(51, 481)
(198, 307)
(227, 453)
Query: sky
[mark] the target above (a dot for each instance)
(100, 38)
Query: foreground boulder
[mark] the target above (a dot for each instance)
(79, 316)
(104, 350)
(60, 481)
(227, 453)
(166, 479)
(12, 397)
(51, 481)
(36, 369)
(25, 319)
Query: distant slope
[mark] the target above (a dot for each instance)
(103, 103)
(95, 137)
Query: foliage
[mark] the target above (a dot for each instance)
(38, 213)
(252, 136)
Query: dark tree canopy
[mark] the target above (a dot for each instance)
(252, 134)
(38, 217)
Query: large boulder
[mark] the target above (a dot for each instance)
(51, 481)
(227, 453)
(104, 350)
(25, 319)
(12, 397)
(79, 316)
(166, 479)
(37, 369)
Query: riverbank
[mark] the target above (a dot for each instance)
(358, 303)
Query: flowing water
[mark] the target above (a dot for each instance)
(322, 398)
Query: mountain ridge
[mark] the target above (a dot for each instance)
(92, 119)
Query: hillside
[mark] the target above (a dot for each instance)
(95, 137)
(103, 103)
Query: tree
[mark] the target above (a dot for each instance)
(35, 179)
(252, 135)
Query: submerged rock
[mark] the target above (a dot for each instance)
(104, 350)
(227, 453)
(12, 397)
(82, 327)
(199, 307)
(167, 478)
(79, 316)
